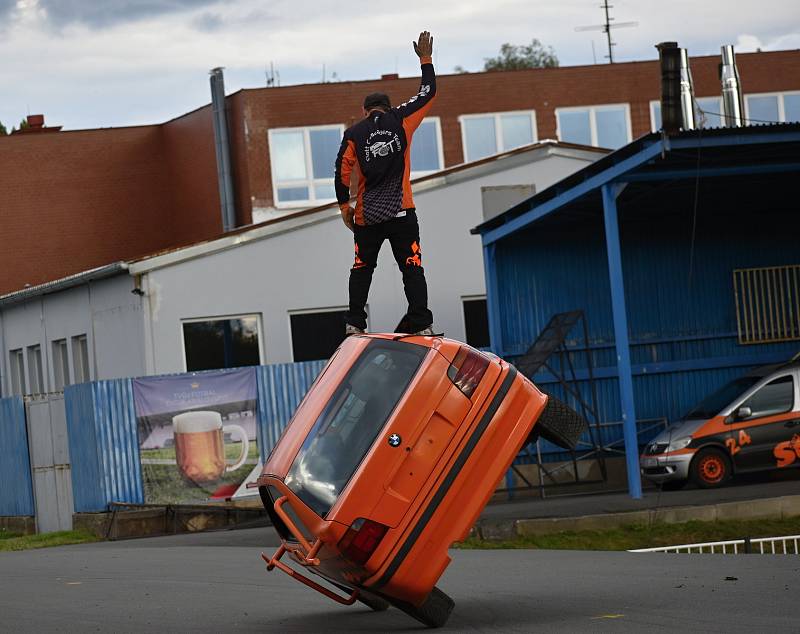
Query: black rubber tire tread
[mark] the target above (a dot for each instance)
(694, 475)
(559, 424)
(434, 612)
(373, 602)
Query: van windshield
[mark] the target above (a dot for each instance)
(719, 400)
(351, 421)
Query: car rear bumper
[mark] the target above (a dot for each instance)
(665, 468)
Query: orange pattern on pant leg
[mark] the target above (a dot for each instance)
(416, 259)
(359, 263)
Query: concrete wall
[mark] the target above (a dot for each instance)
(105, 311)
(307, 267)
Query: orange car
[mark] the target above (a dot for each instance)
(390, 458)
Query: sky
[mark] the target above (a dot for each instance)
(101, 63)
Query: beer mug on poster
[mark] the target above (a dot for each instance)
(200, 445)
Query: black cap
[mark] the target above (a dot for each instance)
(377, 100)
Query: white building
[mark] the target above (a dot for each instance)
(269, 293)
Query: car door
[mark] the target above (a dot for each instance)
(762, 422)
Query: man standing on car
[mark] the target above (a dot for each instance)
(378, 149)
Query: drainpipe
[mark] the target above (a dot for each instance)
(222, 146)
(732, 105)
(687, 93)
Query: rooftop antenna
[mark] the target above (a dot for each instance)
(606, 28)
(273, 77)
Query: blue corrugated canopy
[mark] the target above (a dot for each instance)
(726, 193)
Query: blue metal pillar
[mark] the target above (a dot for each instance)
(492, 298)
(610, 193)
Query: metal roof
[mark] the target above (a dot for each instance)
(99, 273)
(656, 158)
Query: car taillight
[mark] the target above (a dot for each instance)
(361, 540)
(467, 370)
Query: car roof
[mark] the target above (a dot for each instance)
(766, 370)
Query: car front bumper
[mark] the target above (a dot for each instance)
(665, 467)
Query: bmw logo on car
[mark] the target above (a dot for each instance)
(395, 440)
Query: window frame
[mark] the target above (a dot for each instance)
(498, 131)
(310, 182)
(16, 367)
(64, 367)
(35, 367)
(763, 384)
(731, 409)
(194, 320)
(439, 145)
(593, 120)
(781, 106)
(74, 341)
(314, 311)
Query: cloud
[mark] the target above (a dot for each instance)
(99, 14)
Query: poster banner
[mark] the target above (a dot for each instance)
(197, 434)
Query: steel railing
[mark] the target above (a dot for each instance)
(787, 545)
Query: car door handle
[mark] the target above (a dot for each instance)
(792, 423)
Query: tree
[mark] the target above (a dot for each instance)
(514, 57)
(3, 131)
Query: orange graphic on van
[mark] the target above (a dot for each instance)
(787, 452)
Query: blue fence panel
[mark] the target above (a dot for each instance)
(281, 387)
(103, 443)
(16, 489)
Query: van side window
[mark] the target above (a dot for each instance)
(776, 397)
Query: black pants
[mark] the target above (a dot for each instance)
(403, 236)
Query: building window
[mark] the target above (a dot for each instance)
(707, 113)
(303, 163)
(60, 365)
(80, 359)
(767, 303)
(426, 148)
(17, 372)
(774, 107)
(35, 375)
(476, 322)
(485, 134)
(231, 342)
(602, 126)
(316, 335)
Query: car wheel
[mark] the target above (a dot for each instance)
(558, 423)
(672, 485)
(373, 602)
(434, 612)
(710, 468)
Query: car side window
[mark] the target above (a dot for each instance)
(776, 397)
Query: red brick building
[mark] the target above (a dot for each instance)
(74, 200)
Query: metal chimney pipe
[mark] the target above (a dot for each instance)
(223, 151)
(687, 93)
(732, 103)
(670, 60)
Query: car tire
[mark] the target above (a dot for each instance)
(434, 612)
(710, 468)
(672, 485)
(373, 602)
(560, 424)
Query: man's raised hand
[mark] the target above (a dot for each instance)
(424, 46)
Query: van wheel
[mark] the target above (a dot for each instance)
(434, 612)
(710, 468)
(373, 602)
(560, 424)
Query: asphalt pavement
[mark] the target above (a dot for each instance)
(216, 582)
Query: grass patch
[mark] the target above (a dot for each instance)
(4, 534)
(10, 541)
(642, 536)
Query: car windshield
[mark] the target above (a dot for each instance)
(350, 422)
(714, 404)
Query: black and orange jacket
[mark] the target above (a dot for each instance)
(378, 148)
